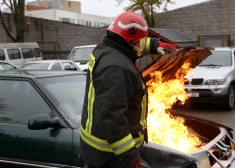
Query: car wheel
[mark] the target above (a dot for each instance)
(230, 98)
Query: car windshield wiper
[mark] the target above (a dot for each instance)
(209, 65)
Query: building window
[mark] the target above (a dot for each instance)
(67, 20)
(103, 24)
(69, 4)
(96, 24)
(81, 22)
(88, 23)
(72, 20)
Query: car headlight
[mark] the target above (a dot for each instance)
(215, 82)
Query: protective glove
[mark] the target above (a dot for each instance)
(162, 47)
(136, 164)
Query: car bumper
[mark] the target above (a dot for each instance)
(204, 93)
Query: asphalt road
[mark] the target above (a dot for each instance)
(213, 112)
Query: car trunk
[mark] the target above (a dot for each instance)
(216, 141)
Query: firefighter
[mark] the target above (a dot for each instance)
(113, 124)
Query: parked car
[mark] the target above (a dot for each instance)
(51, 65)
(6, 66)
(20, 53)
(81, 55)
(40, 114)
(214, 79)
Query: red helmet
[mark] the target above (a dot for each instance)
(131, 26)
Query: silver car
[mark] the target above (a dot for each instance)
(214, 79)
(50, 65)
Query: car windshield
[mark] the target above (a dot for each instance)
(69, 91)
(35, 66)
(218, 58)
(81, 54)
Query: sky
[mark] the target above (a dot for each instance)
(109, 7)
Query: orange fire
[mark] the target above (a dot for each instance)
(163, 128)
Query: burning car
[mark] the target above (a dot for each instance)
(179, 140)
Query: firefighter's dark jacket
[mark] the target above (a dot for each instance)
(115, 107)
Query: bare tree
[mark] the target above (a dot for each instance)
(17, 8)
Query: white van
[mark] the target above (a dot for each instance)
(19, 53)
(81, 55)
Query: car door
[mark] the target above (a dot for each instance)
(19, 100)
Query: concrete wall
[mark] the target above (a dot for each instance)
(215, 17)
(47, 33)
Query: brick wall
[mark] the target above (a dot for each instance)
(215, 17)
(47, 33)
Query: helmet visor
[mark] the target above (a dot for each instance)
(139, 46)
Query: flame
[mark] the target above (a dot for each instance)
(163, 128)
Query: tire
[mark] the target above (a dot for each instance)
(230, 99)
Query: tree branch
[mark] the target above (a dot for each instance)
(5, 28)
(5, 3)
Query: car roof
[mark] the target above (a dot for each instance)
(48, 61)
(86, 46)
(19, 45)
(38, 73)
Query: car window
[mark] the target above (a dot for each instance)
(19, 101)
(2, 55)
(7, 66)
(221, 58)
(13, 54)
(27, 52)
(37, 52)
(56, 66)
(42, 66)
(68, 66)
(69, 91)
(81, 54)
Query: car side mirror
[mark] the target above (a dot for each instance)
(43, 121)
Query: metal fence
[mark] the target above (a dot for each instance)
(50, 50)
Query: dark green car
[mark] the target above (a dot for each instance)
(39, 118)
(40, 115)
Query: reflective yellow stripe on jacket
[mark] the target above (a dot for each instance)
(146, 49)
(143, 121)
(118, 147)
(91, 95)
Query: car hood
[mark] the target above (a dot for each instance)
(209, 72)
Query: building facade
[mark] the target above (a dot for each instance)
(71, 17)
(72, 6)
(65, 11)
